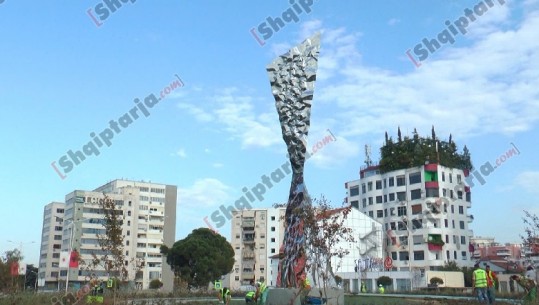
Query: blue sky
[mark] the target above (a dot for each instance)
(62, 77)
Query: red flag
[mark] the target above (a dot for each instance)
(74, 259)
(15, 268)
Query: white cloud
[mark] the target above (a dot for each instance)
(393, 21)
(181, 153)
(527, 181)
(218, 165)
(204, 193)
(199, 113)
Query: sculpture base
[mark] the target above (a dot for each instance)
(288, 296)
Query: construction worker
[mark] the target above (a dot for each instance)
(224, 295)
(261, 293)
(492, 283)
(250, 297)
(479, 283)
(363, 287)
(381, 289)
(529, 286)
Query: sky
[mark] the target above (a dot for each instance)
(70, 67)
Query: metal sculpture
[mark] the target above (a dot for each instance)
(292, 77)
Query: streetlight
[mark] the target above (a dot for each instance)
(72, 225)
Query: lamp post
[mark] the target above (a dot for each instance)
(72, 235)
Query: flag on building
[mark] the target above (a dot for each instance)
(74, 259)
(14, 268)
(64, 259)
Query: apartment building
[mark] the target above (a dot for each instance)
(256, 235)
(149, 220)
(51, 245)
(424, 210)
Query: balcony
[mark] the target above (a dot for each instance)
(503, 252)
(431, 167)
(476, 254)
(431, 184)
(470, 218)
(435, 247)
(247, 223)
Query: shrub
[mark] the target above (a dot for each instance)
(435, 281)
(155, 284)
(384, 281)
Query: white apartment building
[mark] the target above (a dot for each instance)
(51, 244)
(256, 235)
(149, 221)
(424, 211)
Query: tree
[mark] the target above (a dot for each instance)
(155, 284)
(203, 256)
(324, 232)
(435, 281)
(113, 261)
(7, 281)
(384, 281)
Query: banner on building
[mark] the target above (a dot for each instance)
(64, 259)
(74, 259)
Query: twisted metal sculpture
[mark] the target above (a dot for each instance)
(292, 77)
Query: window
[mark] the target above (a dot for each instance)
(391, 197)
(444, 192)
(454, 252)
(419, 255)
(364, 202)
(455, 239)
(57, 228)
(417, 223)
(370, 200)
(403, 256)
(463, 240)
(451, 181)
(459, 194)
(452, 209)
(57, 237)
(385, 212)
(461, 223)
(453, 223)
(56, 255)
(369, 186)
(416, 209)
(451, 195)
(443, 179)
(385, 183)
(417, 239)
(273, 239)
(354, 191)
(392, 225)
(355, 204)
(415, 194)
(272, 250)
(459, 178)
(391, 181)
(463, 254)
(401, 226)
(378, 184)
(272, 218)
(272, 229)
(363, 188)
(385, 198)
(461, 209)
(403, 240)
(128, 213)
(371, 215)
(379, 199)
(401, 181)
(237, 278)
(394, 256)
(447, 241)
(401, 211)
(446, 223)
(414, 178)
(401, 196)
(392, 211)
(380, 213)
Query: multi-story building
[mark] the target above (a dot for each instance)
(256, 235)
(422, 230)
(51, 244)
(148, 213)
(422, 203)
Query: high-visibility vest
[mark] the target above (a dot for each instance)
(262, 287)
(224, 292)
(491, 279)
(307, 284)
(250, 294)
(480, 278)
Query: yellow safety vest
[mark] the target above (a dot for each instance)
(250, 294)
(480, 278)
(262, 287)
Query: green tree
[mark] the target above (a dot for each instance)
(203, 256)
(384, 281)
(155, 284)
(7, 281)
(435, 281)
